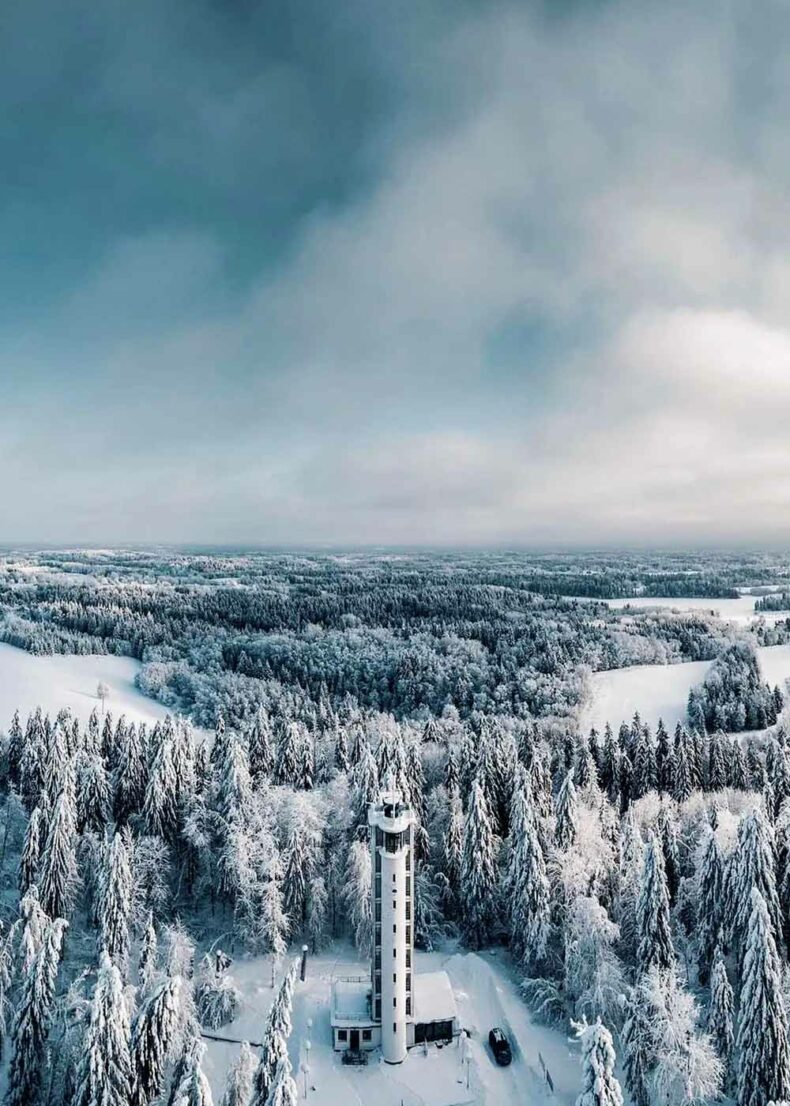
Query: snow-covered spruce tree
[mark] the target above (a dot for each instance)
(115, 902)
(638, 1045)
(152, 1038)
(33, 1016)
(710, 891)
(357, 896)
(274, 924)
(283, 1091)
(643, 775)
(193, 1088)
(130, 775)
(528, 893)
(233, 793)
(668, 835)
(683, 783)
(92, 793)
(478, 870)
(147, 965)
(598, 1060)
(720, 1015)
(238, 1085)
(631, 864)
(35, 838)
(567, 814)
(274, 1046)
(364, 787)
(160, 811)
(763, 1049)
(453, 845)
(57, 870)
(34, 923)
(655, 947)
(286, 768)
(260, 750)
(104, 1077)
(753, 866)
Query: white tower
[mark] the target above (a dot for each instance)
(391, 821)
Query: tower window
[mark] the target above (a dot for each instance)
(408, 958)
(394, 929)
(408, 911)
(394, 977)
(394, 1027)
(408, 1006)
(394, 1001)
(408, 884)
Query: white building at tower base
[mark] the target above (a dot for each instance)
(395, 1008)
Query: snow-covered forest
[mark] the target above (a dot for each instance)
(636, 879)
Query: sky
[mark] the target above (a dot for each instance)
(434, 272)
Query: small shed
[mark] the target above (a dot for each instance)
(436, 1013)
(353, 1026)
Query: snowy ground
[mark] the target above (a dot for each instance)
(65, 681)
(661, 691)
(740, 610)
(486, 996)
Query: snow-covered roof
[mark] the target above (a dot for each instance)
(434, 1000)
(351, 1002)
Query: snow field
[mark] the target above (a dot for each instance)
(661, 691)
(486, 996)
(27, 681)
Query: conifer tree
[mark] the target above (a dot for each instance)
(105, 1071)
(283, 1090)
(57, 869)
(665, 760)
(238, 1086)
(655, 936)
(753, 866)
(638, 1048)
(274, 1046)
(710, 889)
(147, 966)
(152, 1037)
(93, 794)
(193, 1088)
(160, 811)
(683, 783)
(115, 902)
(130, 775)
(528, 888)
(260, 750)
(763, 1050)
(720, 1017)
(287, 768)
(717, 771)
(667, 830)
(35, 838)
(234, 789)
(567, 814)
(478, 869)
(601, 1088)
(33, 1017)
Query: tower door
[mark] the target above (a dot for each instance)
(353, 1040)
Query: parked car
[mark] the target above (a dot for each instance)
(500, 1046)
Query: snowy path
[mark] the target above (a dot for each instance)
(486, 996)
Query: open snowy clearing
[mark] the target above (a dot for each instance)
(486, 996)
(740, 610)
(661, 691)
(27, 682)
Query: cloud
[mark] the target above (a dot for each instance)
(535, 293)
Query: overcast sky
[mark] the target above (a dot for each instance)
(429, 272)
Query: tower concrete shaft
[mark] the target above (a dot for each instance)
(391, 821)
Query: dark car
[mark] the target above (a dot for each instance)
(500, 1046)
